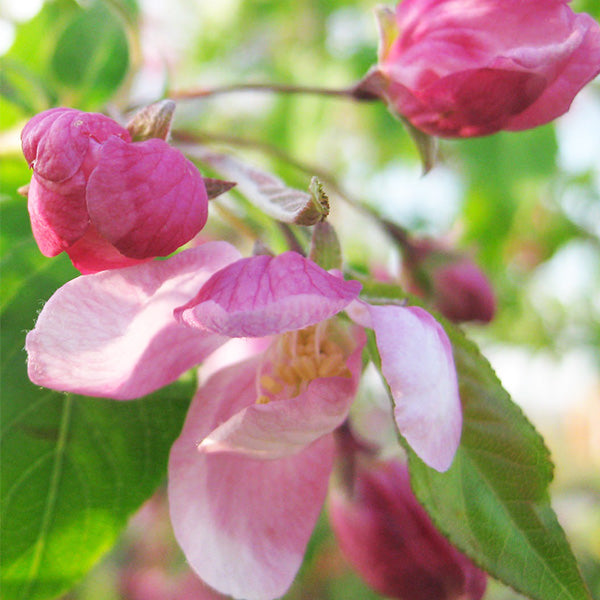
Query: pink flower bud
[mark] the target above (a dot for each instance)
(463, 293)
(454, 283)
(390, 540)
(457, 68)
(104, 200)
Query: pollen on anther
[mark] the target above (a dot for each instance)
(270, 385)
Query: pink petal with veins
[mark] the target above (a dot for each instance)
(146, 198)
(56, 141)
(263, 295)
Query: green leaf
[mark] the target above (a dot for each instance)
(493, 502)
(74, 469)
(25, 83)
(91, 56)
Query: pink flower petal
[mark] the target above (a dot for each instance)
(243, 523)
(417, 363)
(264, 295)
(57, 220)
(284, 427)
(391, 541)
(113, 334)
(93, 253)
(146, 198)
(582, 66)
(475, 101)
(55, 142)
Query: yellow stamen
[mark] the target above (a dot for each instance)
(296, 359)
(270, 385)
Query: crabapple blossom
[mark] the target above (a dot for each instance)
(459, 68)
(249, 473)
(108, 202)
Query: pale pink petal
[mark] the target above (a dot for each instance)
(243, 523)
(146, 198)
(92, 253)
(235, 350)
(417, 363)
(113, 334)
(264, 295)
(284, 427)
(57, 220)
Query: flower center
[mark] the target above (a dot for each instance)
(295, 359)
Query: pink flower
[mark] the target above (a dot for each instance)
(390, 540)
(462, 68)
(104, 200)
(249, 473)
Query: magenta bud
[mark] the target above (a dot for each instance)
(456, 286)
(462, 292)
(455, 70)
(391, 541)
(106, 201)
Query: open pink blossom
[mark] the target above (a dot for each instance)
(104, 200)
(458, 68)
(248, 475)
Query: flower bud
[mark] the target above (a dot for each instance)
(455, 284)
(463, 293)
(390, 540)
(105, 200)
(454, 68)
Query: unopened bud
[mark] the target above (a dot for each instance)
(391, 541)
(463, 293)
(456, 285)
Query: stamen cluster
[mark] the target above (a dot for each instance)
(297, 358)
